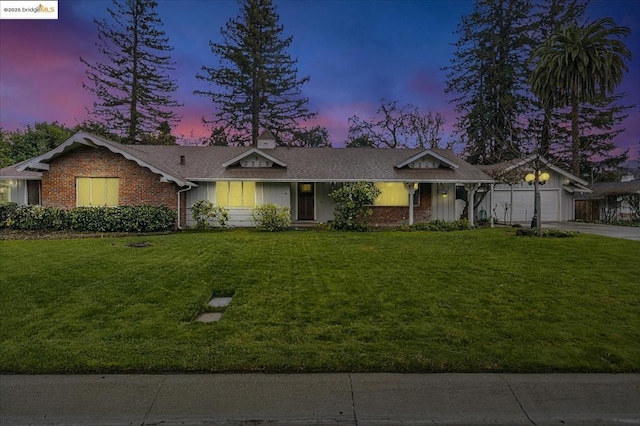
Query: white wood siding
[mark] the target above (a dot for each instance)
(325, 205)
(266, 192)
(443, 207)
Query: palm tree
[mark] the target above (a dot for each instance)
(578, 64)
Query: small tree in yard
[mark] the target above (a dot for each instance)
(352, 205)
(633, 200)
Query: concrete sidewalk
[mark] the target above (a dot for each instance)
(350, 399)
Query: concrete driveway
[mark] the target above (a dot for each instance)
(626, 232)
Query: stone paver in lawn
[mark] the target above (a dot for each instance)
(208, 317)
(220, 302)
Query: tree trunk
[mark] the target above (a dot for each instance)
(538, 209)
(545, 140)
(575, 137)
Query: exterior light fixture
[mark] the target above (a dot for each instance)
(540, 178)
(411, 185)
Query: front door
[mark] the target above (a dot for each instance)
(306, 201)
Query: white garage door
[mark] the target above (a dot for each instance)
(523, 205)
(550, 203)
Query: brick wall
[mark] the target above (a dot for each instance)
(400, 215)
(138, 185)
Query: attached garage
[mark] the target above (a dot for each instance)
(523, 205)
(556, 195)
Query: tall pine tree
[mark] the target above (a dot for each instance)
(599, 123)
(487, 79)
(255, 85)
(132, 84)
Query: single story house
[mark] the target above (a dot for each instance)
(513, 197)
(88, 170)
(607, 202)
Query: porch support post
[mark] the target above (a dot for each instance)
(412, 190)
(471, 191)
(511, 206)
(491, 204)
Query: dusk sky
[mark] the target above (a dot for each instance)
(356, 52)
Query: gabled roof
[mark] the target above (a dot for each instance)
(427, 153)
(319, 165)
(187, 165)
(127, 151)
(253, 151)
(11, 172)
(526, 164)
(602, 189)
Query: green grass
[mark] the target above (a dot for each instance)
(470, 301)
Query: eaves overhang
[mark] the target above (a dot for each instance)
(88, 139)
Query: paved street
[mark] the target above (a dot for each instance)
(349, 399)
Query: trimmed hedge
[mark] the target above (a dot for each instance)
(88, 219)
(546, 233)
(442, 225)
(272, 218)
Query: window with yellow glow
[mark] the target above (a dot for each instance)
(236, 194)
(392, 194)
(92, 192)
(5, 192)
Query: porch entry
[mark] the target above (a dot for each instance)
(306, 196)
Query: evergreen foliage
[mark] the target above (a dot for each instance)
(20, 145)
(353, 201)
(205, 213)
(271, 217)
(579, 64)
(487, 79)
(143, 218)
(131, 84)
(255, 85)
(551, 16)
(598, 123)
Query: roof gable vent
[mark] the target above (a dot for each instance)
(255, 161)
(425, 162)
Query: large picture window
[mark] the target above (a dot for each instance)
(391, 194)
(94, 191)
(236, 194)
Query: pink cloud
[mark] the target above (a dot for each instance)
(41, 72)
(427, 87)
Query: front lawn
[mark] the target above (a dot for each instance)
(466, 301)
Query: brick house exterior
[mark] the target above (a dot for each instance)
(183, 175)
(138, 185)
(399, 215)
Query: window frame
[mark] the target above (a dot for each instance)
(110, 193)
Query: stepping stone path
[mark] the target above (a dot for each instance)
(220, 302)
(209, 317)
(216, 302)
